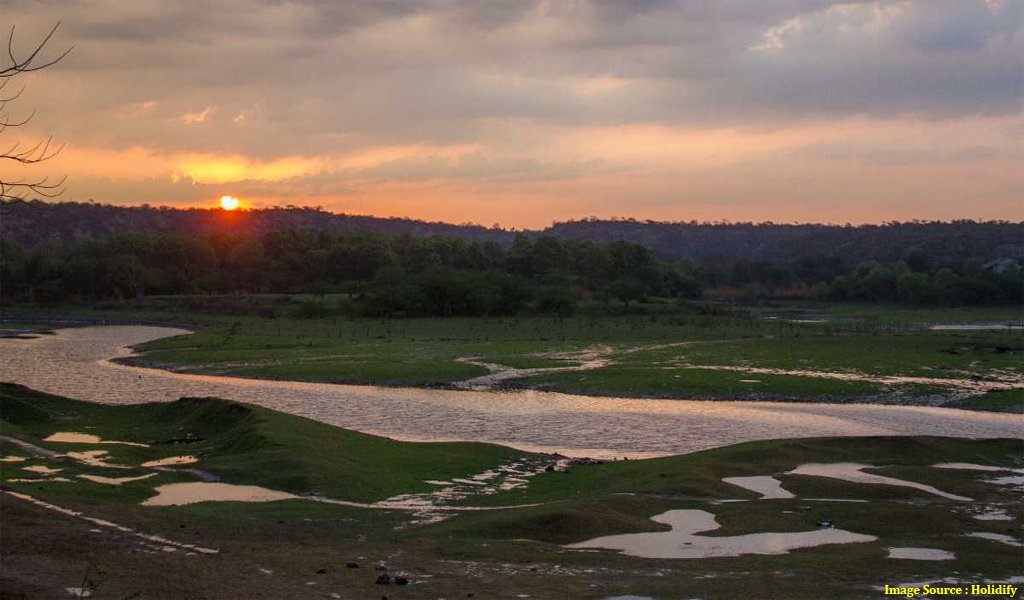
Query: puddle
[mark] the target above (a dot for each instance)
(1016, 481)
(968, 467)
(41, 469)
(40, 480)
(682, 542)
(854, 472)
(586, 360)
(178, 494)
(12, 459)
(71, 437)
(976, 384)
(769, 487)
(116, 480)
(435, 505)
(185, 459)
(997, 537)
(93, 458)
(921, 554)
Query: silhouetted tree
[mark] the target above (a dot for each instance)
(15, 189)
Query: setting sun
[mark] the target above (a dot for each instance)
(228, 202)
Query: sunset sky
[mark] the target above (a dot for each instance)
(522, 113)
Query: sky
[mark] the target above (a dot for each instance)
(523, 113)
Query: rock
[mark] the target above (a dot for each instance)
(321, 571)
(380, 567)
(383, 579)
(549, 468)
(400, 580)
(352, 565)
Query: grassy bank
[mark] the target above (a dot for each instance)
(671, 351)
(299, 548)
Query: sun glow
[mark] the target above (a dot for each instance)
(228, 202)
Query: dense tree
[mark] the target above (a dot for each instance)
(390, 275)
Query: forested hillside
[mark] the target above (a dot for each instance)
(943, 243)
(408, 274)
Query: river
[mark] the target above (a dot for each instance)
(76, 363)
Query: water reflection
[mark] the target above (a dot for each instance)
(74, 363)
(683, 542)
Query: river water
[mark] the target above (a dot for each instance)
(75, 363)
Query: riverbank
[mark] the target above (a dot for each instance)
(694, 357)
(991, 402)
(77, 363)
(116, 541)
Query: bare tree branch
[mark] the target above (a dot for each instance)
(25, 65)
(22, 191)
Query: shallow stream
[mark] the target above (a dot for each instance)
(75, 363)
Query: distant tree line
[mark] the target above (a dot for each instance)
(387, 275)
(914, 280)
(954, 242)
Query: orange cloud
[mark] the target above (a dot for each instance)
(211, 168)
(197, 117)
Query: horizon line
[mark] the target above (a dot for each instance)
(499, 227)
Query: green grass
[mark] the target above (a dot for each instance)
(252, 445)
(490, 554)
(697, 476)
(426, 352)
(1003, 400)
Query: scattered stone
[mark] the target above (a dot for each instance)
(352, 564)
(322, 571)
(380, 567)
(401, 580)
(549, 468)
(383, 579)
